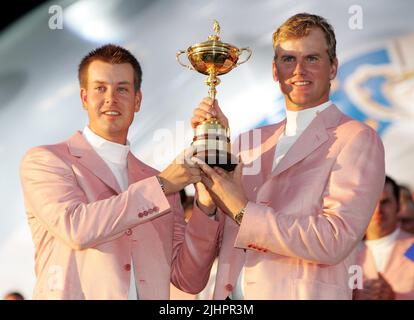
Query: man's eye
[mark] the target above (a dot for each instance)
(312, 59)
(122, 89)
(100, 89)
(288, 59)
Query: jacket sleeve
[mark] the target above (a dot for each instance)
(349, 199)
(54, 197)
(195, 247)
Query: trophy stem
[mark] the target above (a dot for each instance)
(212, 92)
(212, 81)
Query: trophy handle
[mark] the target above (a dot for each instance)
(248, 57)
(178, 59)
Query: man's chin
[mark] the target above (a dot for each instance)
(300, 101)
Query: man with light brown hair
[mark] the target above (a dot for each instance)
(104, 224)
(291, 229)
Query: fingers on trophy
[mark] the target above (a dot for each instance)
(214, 58)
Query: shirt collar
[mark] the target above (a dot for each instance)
(107, 150)
(298, 121)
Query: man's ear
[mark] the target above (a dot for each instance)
(333, 69)
(274, 71)
(84, 98)
(138, 99)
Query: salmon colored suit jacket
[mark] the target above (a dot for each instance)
(85, 229)
(399, 270)
(303, 221)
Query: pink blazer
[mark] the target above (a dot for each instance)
(85, 230)
(399, 270)
(304, 220)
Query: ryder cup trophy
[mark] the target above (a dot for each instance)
(213, 58)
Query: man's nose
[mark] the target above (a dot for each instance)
(300, 67)
(110, 95)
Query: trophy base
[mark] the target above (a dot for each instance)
(214, 158)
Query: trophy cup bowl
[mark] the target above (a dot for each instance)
(213, 58)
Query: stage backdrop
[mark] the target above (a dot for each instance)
(40, 101)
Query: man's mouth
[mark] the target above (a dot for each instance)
(301, 83)
(112, 113)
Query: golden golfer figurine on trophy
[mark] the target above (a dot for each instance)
(213, 58)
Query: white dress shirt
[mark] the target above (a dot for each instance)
(296, 123)
(115, 156)
(381, 249)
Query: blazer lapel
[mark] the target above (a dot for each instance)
(269, 141)
(313, 136)
(135, 170)
(80, 148)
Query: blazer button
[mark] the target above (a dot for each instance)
(145, 213)
(140, 215)
(127, 267)
(229, 287)
(128, 232)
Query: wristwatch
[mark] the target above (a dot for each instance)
(161, 183)
(239, 216)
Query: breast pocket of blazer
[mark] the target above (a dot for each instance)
(310, 184)
(309, 177)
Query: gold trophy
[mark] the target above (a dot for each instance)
(213, 58)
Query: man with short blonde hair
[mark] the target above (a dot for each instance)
(291, 229)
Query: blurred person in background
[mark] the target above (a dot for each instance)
(13, 296)
(406, 213)
(387, 254)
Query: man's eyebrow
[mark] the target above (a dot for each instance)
(124, 82)
(104, 82)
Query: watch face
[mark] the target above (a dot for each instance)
(238, 218)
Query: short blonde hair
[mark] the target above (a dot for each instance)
(300, 25)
